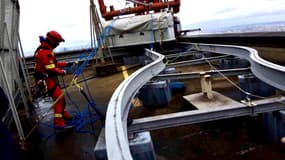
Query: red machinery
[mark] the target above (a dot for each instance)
(139, 9)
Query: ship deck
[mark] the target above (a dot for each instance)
(235, 138)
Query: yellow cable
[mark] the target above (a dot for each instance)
(73, 81)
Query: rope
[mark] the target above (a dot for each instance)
(50, 108)
(225, 77)
(230, 81)
(93, 52)
(198, 48)
(152, 38)
(69, 97)
(248, 94)
(80, 120)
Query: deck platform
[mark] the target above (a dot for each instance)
(201, 102)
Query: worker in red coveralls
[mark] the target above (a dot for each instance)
(47, 68)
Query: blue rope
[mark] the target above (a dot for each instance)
(72, 68)
(91, 102)
(79, 122)
(69, 97)
(94, 51)
(80, 119)
(84, 119)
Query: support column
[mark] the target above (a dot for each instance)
(140, 145)
(12, 104)
(206, 85)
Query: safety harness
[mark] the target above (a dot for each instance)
(40, 78)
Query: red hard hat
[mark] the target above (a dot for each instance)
(54, 36)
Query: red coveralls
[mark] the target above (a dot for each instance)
(47, 65)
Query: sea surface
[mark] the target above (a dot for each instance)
(245, 28)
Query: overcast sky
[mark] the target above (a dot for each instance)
(71, 17)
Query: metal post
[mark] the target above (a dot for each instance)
(17, 72)
(206, 85)
(24, 67)
(12, 103)
(98, 31)
(2, 18)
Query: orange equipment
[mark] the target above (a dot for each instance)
(138, 9)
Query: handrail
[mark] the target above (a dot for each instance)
(119, 105)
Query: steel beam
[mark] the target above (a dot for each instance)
(197, 61)
(213, 73)
(180, 54)
(198, 116)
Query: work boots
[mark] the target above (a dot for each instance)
(59, 124)
(67, 116)
(59, 121)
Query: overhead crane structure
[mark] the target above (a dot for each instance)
(139, 8)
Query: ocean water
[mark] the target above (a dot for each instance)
(244, 28)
